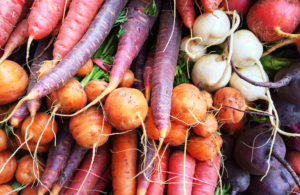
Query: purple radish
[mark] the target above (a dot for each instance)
(227, 147)
(279, 182)
(238, 178)
(252, 150)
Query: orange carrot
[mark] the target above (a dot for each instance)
(3, 140)
(9, 170)
(124, 162)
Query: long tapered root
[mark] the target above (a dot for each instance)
(280, 33)
(16, 109)
(278, 45)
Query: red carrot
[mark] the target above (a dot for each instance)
(206, 176)
(102, 182)
(79, 55)
(147, 75)
(137, 28)
(23, 112)
(79, 17)
(102, 161)
(76, 155)
(9, 15)
(210, 5)
(25, 10)
(164, 66)
(16, 39)
(57, 157)
(186, 10)
(181, 182)
(144, 161)
(159, 175)
(44, 17)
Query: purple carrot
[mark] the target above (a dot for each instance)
(130, 43)
(164, 66)
(144, 161)
(147, 75)
(102, 182)
(57, 157)
(76, 155)
(138, 65)
(23, 112)
(79, 55)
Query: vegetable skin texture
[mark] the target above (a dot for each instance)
(160, 172)
(32, 145)
(33, 105)
(57, 157)
(208, 126)
(177, 134)
(67, 99)
(205, 171)
(151, 131)
(278, 182)
(18, 37)
(125, 108)
(102, 161)
(207, 98)
(257, 137)
(5, 189)
(164, 67)
(238, 179)
(10, 13)
(94, 88)
(138, 65)
(44, 17)
(86, 69)
(25, 173)
(147, 74)
(102, 182)
(266, 15)
(3, 140)
(8, 172)
(79, 17)
(241, 6)
(128, 79)
(187, 104)
(36, 129)
(230, 97)
(76, 155)
(204, 148)
(186, 10)
(13, 82)
(124, 162)
(144, 161)
(227, 147)
(81, 53)
(176, 185)
(90, 129)
(210, 5)
(293, 158)
(29, 190)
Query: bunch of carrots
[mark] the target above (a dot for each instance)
(101, 96)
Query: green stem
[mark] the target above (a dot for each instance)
(88, 77)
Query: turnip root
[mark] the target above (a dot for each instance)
(212, 29)
(194, 47)
(211, 73)
(249, 91)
